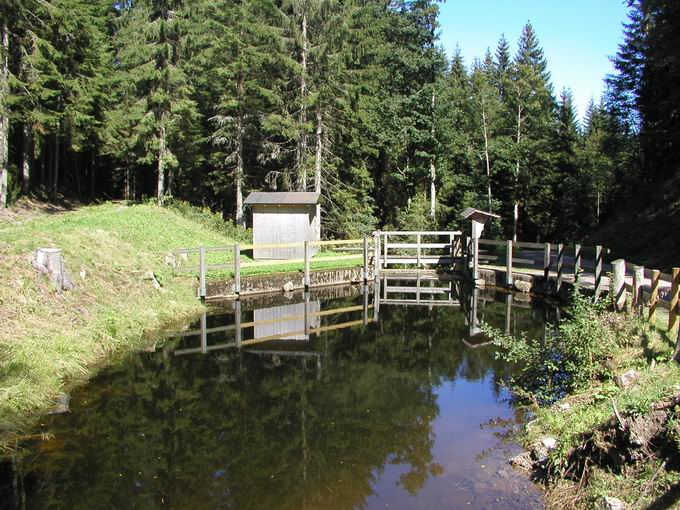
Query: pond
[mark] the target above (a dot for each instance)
(379, 396)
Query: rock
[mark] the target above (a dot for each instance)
(49, 261)
(149, 275)
(522, 286)
(550, 443)
(170, 260)
(609, 503)
(563, 406)
(288, 286)
(539, 453)
(61, 405)
(522, 461)
(503, 474)
(627, 379)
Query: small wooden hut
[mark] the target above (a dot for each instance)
(284, 217)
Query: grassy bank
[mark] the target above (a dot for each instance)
(50, 340)
(600, 425)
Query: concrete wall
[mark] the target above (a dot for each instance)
(274, 224)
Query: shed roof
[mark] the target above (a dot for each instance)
(477, 215)
(283, 198)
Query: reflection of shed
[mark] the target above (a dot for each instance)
(288, 217)
(287, 321)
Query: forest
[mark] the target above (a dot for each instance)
(207, 100)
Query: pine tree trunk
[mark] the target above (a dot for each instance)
(317, 166)
(515, 214)
(93, 171)
(160, 186)
(55, 167)
(487, 158)
(238, 178)
(126, 185)
(26, 158)
(433, 169)
(302, 148)
(319, 150)
(4, 115)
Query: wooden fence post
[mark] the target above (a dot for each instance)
(365, 259)
(577, 263)
(376, 256)
(673, 310)
(385, 252)
(560, 265)
(418, 238)
(638, 289)
(306, 277)
(546, 263)
(508, 262)
(598, 270)
(654, 295)
(201, 272)
(618, 284)
(475, 259)
(237, 268)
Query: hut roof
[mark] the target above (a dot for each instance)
(477, 215)
(283, 198)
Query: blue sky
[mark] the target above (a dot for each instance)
(577, 36)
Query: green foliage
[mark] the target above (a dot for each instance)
(565, 361)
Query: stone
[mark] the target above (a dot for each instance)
(149, 275)
(288, 286)
(49, 261)
(522, 286)
(627, 379)
(170, 260)
(62, 405)
(610, 503)
(563, 406)
(550, 443)
(522, 461)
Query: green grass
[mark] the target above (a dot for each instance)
(50, 340)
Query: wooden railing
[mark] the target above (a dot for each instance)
(237, 261)
(409, 251)
(645, 287)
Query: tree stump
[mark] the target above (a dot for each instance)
(49, 261)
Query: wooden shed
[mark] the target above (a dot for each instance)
(284, 217)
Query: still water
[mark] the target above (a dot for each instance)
(383, 396)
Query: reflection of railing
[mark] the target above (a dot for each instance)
(309, 319)
(420, 290)
(424, 294)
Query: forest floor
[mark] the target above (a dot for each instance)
(50, 340)
(619, 438)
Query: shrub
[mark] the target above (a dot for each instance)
(566, 361)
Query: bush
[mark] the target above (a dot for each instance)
(566, 361)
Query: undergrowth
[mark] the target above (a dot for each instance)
(571, 385)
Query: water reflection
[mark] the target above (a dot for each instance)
(356, 397)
